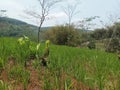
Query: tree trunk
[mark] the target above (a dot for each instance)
(38, 34)
(39, 29)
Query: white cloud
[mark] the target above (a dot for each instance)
(87, 8)
(13, 8)
(57, 15)
(10, 5)
(56, 19)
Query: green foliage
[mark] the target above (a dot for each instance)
(91, 45)
(63, 35)
(4, 86)
(114, 29)
(28, 49)
(23, 48)
(19, 74)
(15, 28)
(69, 67)
(12, 21)
(86, 66)
(114, 41)
(99, 34)
(113, 46)
(110, 37)
(2, 64)
(36, 63)
(68, 84)
(10, 30)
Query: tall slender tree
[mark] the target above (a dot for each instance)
(45, 7)
(70, 11)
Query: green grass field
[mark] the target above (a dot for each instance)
(70, 68)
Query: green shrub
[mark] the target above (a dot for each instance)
(63, 35)
(91, 45)
(113, 45)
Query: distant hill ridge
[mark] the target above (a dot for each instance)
(12, 21)
(18, 22)
(10, 27)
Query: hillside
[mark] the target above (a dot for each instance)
(10, 27)
(12, 21)
(68, 68)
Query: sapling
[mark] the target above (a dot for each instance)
(46, 53)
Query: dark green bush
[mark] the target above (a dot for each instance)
(91, 45)
(113, 45)
(63, 35)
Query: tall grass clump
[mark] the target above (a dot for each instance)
(91, 67)
(19, 74)
(70, 68)
(5, 86)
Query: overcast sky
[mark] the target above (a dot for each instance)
(86, 8)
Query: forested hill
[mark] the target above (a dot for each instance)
(11, 21)
(10, 27)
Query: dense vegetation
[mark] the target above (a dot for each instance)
(110, 37)
(107, 38)
(63, 35)
(69, 68)
(15, 28)
(12, 21)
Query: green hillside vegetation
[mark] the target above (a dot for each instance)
(76, 59)
(63, 35)
(108, 37)
(67, 35)
(15, 28)
(12, 21)
(70, 68)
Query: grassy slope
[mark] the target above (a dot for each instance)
(73, 68)
(94, 68)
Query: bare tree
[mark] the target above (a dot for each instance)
(70, 11)
(112, 20)
(45, 7)
(87, 24)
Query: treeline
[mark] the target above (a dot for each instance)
(108, 32)
(110, 37)
(68, 35)
(65, 34)
(11, 21)
(10, 30)
(15, 28)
